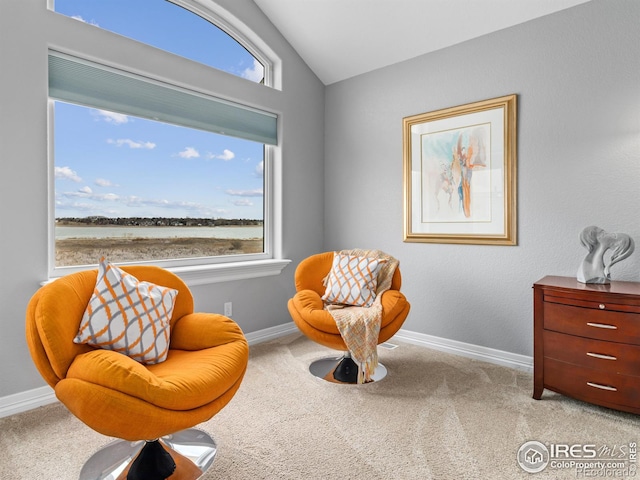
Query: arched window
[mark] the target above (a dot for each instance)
(144, 170)
(171, 26)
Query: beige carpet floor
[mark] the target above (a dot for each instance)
(435, 416)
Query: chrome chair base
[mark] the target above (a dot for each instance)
(195, 451)
(325, 368)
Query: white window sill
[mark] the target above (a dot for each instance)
(224, 272)
(228, 272)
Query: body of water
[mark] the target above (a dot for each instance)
(110, 231)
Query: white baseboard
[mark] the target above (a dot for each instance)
(477, 352)
(30, 399)
(23, 401)
(271, 333)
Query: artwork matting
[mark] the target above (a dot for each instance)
(460, 174)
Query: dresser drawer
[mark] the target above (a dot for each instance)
(596, 354)
(595, 386)
(607, 325)
(595, 301)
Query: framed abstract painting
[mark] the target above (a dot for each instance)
(460, 174)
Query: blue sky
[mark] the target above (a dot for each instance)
(122, 166)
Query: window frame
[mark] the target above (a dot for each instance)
(203, 270)
(226, 22)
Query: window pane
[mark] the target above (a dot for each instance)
(169, 27)
(133, 189)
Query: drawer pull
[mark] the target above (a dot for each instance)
(602, 387)
(602, 325)
(602, 306)
(602, 356)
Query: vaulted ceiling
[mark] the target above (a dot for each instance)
(340, 39)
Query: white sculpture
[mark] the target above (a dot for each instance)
(593, 268)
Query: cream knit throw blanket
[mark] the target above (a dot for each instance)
(360, 326)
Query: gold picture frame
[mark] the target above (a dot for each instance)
(459, 176)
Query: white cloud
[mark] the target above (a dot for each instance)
(260, 169)
(195, 208)
(78, 17)
(132, 144)
(66, 173)
(189, 152)
(245, 193)
(111, 204)
(79, 206)
(245, 202)
(102, 182)
(112, 117)
(100, 197)
(255, 73)
(226, 155)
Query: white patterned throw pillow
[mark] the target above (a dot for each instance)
(128, 316)
(352, 280)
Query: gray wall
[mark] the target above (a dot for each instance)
(576, 73)
(577, 77)
(26, 31)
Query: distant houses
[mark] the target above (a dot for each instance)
(156, 221)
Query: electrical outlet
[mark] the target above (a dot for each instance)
(228, 309)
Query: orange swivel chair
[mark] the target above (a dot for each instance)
(120, 397)
(308, 312)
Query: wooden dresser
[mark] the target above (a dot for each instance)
(587, 341)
